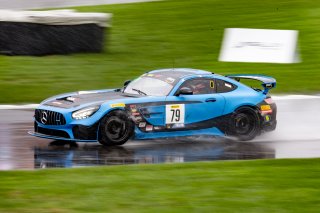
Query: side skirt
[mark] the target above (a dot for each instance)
(139, 135)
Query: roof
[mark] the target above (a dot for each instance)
(182, 72)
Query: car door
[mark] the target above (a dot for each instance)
(197, 110)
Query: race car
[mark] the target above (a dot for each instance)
(161, 104)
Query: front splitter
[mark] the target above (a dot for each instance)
(39, 135)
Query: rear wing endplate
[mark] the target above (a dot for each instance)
(267, 81)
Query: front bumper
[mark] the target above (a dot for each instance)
(79, 133)
(57, 138)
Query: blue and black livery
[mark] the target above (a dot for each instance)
(160, 104)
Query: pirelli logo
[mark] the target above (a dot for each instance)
(117, 105)
(175, 106)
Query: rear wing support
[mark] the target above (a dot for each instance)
(267, 81)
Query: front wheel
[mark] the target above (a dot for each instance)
(245, 124)
(116, 128)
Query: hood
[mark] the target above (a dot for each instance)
(77, 99)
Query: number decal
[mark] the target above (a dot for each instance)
(175, 114)
(172, 112)
(212, 84)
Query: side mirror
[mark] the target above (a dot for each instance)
(126, 83)
(185, 91)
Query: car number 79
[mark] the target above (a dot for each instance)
(175, 114)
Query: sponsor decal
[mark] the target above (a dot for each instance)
(138, 118)
(265, 107)
(178, 126)
(71, 99)
(158, 127)
(134, 111)
(86, 92)
(149, 128)
(267, 118)
(117, 105)
(269, 100)
(170, 80)
(56, 102)
(142, 124)
(174, 106)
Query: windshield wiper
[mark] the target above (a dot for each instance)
(139, 91)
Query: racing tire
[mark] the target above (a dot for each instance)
(116, 128)
(245, 124)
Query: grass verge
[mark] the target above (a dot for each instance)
(175, 33)
(225, 186)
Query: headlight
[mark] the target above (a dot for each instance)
(85, 112)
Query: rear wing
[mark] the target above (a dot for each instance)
(267, 81)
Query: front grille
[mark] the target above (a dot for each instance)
(48, 117)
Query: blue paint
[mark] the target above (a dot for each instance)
(198, 110)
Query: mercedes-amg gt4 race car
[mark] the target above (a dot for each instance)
(161, 104)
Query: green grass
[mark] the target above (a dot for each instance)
(225, 186)
(179, 33)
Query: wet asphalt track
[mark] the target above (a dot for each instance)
(297, 136)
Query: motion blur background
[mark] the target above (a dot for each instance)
(173, 33)
(147, 36)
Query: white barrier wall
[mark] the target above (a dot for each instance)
(259, 45)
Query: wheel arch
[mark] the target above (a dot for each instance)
(250, 106)
(107, 113)
(241, 109)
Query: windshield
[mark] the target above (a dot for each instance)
(148, 86)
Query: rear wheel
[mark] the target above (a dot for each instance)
(245, 124)
(116, 128)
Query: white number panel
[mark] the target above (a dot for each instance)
(175, 114)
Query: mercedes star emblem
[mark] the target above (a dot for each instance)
(44, 117)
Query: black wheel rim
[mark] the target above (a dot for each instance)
(244, 124)
(116, 129)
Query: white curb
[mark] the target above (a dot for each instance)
(295, 97)
(26, 106)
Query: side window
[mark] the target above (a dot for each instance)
(224, 86)
(200, 86)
